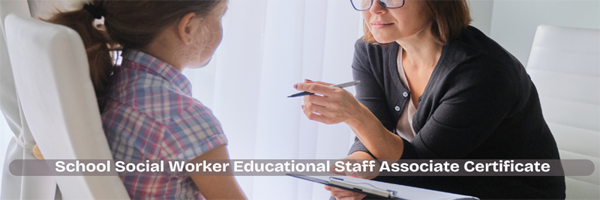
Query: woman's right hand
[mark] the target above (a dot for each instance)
(333, 105)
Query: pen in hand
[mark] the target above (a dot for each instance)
(342, 85)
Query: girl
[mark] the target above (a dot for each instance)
(147, 109)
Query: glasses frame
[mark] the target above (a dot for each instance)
(381, 2)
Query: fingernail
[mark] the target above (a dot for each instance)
(302, 106)
(296, 86)
(308, 80)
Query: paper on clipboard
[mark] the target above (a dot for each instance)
(395, 191)
(339, 182)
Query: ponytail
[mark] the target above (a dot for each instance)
(128, 24)
(96, 44)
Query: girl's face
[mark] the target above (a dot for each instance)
(388, 25)
(209, 35)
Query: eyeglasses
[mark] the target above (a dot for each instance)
(362, 5)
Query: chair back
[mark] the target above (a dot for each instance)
(9, 105)
(8, 96)
(53, 83)
(564, 64)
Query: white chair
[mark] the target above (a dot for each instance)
(53, 83)
(8, 102)
(564, 64)
(20, 147)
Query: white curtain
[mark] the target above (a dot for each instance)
(267, 47)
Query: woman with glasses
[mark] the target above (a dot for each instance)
(433, 87)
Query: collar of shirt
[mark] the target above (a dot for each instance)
(143, 61)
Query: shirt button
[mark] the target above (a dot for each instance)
(397, 108)
(405, 94)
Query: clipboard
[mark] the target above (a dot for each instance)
(339, 182)
(395, 191)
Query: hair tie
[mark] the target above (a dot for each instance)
(95, 11)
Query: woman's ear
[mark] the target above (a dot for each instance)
(184, 29)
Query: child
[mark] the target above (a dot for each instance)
(147, 109)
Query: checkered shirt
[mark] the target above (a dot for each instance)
(151, 115)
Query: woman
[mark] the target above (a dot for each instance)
(433, 87)
(147, 109)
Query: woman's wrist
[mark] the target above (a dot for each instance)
(381, 143)
(359, 118)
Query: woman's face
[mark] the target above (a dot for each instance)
(210, 34)
(388, 25)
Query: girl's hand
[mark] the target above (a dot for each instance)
(331, 105)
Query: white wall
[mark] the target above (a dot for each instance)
(481, 13)
(514, 22)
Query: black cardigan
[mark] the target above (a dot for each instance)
(478, 104)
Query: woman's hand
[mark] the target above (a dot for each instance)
(360, 158)
(341, 194)
(334, 106)
(356, 157)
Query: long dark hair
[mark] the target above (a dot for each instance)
(131, 24)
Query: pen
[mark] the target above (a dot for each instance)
(342, 85)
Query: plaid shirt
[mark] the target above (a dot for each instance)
(151, 115)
